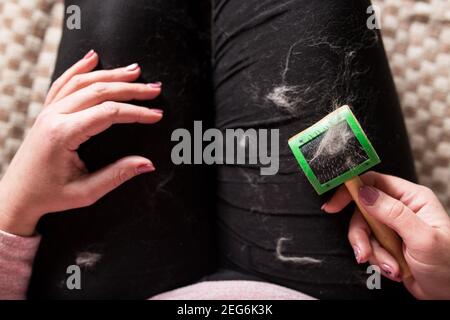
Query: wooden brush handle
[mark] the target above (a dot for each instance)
(387, 237)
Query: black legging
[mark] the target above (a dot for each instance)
(280, 64)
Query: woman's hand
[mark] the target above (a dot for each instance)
(46, 174)
(414, 212)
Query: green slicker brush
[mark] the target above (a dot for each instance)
(336, 151)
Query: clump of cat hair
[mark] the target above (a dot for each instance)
(87, 259)
(296, 260)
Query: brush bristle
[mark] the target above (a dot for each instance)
(334, 152)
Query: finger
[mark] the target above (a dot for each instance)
(412, 195)
(80, 81)
(393, 186)
(94, 186)
(359, 237)
(107, 91)
(92, 121)
(88, 63)
(338, 201)
(393, 213)
(383, 259)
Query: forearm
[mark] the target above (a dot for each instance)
(16, 260)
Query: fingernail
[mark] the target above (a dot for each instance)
(368, 195)
(145, 168)
(387, 270)
(132, 67)
(357, 252)
(323, 206)
(89, 54)
(157, 111)
(155, 85)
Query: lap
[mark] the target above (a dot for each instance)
(285, 65)
(152, 234)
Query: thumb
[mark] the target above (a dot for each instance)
(110, 177)
(393, 213)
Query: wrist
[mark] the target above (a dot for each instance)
(15, 217)
(12, 226)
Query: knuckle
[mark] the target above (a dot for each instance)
(56, 84)
(396, 210)
(77, 80)
(110, 108)
(56, 129)
(140, 114)
(430, 241)
(120, 176)
(99, 88)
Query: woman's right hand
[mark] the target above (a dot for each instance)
(415, 213)
(46, 174)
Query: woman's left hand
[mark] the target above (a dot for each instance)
(46, 174)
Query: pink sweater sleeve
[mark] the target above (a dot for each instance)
(16, 260)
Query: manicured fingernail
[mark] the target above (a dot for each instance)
(157, 111)
(323, 206)
(387, 270)
(132, 67)
(155, 85)
(357, 252)
(89, 54)
(145, 168)
(368, 195)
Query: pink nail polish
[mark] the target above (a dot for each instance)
(145, 168)
(368, 195)
(155, 85)
(323, 206)
(387, 269)
(157, 111)
(132, 67)
(357, 252)
(89, 54)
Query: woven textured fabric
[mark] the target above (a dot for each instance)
(29, 36)
(416, 35)
(45, 62)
